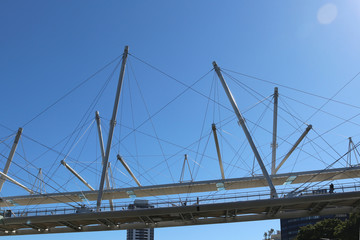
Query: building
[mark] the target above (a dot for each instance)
(140, 234)
(290, 226)
(276, 236)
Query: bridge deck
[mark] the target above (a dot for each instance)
(300, 206)
(180, 188)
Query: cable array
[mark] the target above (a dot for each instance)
(216, 110)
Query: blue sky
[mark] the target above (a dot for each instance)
(48, 47)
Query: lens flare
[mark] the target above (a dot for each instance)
(327, 13)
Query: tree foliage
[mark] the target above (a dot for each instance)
(331, 229)
(268, 234)
(349, 229)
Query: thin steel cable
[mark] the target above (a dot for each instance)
(36, 177)
(47, 147)
(291, 88)
(236, 153)
(77, 142)
(133, 117)
(331, 147)
(168, 142)
(176, 145)
(153, 126)
(322, 106)
(90, 108)
(166, 105)
(293, 115)
(180, 82)
(202, 156)
(252, 131)
(72, 200)
(152, 181)
(324, 170)
(7, 138)
(71, 91)
(56, 183)
(201, 133)
(328, 113)
(245, 87)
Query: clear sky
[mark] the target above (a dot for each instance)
(49, 47)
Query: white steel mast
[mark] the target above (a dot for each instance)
(112, 126)
(246, 131)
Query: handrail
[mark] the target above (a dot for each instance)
(175, 202)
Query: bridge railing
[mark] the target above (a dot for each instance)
(182, 200)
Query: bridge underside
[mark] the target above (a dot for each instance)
(301, 206)
(180, 188)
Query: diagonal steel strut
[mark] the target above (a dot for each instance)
(77, 175)
(245, 129)
(10, 158)
(294, 147)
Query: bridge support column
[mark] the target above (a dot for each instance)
(246, 131)
(218, 150)
(101, 141)
(274, 144)
(112, 126)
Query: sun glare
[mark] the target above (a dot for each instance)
(327, 13)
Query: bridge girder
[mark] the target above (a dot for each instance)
(184, 215)
(180, 188)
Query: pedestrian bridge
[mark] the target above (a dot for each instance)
(206, 209)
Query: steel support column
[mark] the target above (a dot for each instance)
(274, 144)
(11, 156)
(101, 141)
(218, 151)
(246, 131)
(112, 126)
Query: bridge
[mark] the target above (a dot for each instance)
(185, 203)
(226, 209)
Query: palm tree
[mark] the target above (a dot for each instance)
(267, 235)
(270, 232)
